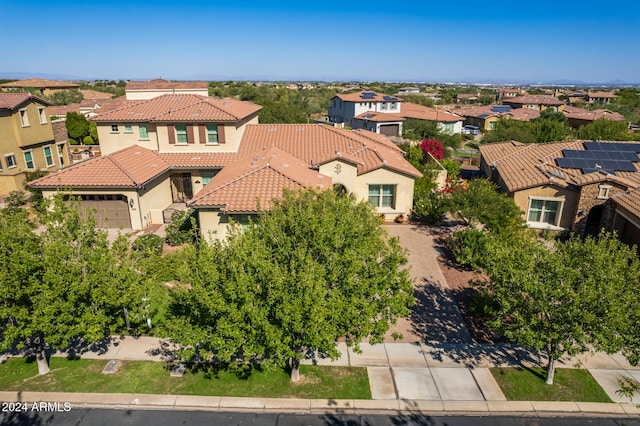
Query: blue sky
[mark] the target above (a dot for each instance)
(591, 41)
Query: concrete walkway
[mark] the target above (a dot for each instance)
(404, 377)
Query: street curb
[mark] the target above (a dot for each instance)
(321, 406)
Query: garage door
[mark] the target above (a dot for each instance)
(390, 129)
(111, 211)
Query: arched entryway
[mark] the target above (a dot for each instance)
(594, 219)
(340, 189)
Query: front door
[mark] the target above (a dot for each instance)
(181, 189)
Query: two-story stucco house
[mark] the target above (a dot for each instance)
(27, 141)
(212, 155)
(385, 114)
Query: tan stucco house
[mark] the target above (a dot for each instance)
(44, 87)
(178, 151)
(579, 186)
(27, 140)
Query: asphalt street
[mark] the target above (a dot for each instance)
(97, 417)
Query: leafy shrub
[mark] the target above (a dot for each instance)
(88, 140)
(182, 228)
(148, 245)
(468, 247)
(431, 207)
(16, 199)
(73, 141)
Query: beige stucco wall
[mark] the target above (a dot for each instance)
(213, 224)
(115, 141)
(152, 200)
(568, 197)
(10, 183)
(359, 185)
(153, 93)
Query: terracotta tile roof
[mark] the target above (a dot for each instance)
(585, 114)
(524, 114)
(60, 131)
(520, 114)
(421, 112)
(379, 116)
(41, 83)
(160, 83)
(199, 159)
(254, 181)
(129, 167)
(11, 101)
(185, 108)
(533, 100)
(315, 143)
(630, 201)
(110, 104)
(523, 166)
(62, 110)
(601, 95)
(94, 94)
(375, 97)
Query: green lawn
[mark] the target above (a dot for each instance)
(85, 375)
(528, 384)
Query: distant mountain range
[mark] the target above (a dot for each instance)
(212, 77)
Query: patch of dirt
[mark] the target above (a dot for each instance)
(307, 380)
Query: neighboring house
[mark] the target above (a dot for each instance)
(385, 113)
(408, 90)
(486, 117)
(537, 102)
(577, 117)
(45, 87)
(467, 97)
(211, 154)
(579, 186)
(508, 93)
(94, 94)
(600, 97)
(448, 122)
(27, 141)
(141, 90)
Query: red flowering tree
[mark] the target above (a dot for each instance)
(433, 147)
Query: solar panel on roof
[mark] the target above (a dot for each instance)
(389, 98)
(501, 108)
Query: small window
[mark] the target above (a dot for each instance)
(206, 178)
(128, 128)
(48, 156)
(28, 160)
(144, 131)
(114, 128)
(383, 105)
(24, 118)
(543, 211)
(212, 133)
(382, 196)
(42, 113)
(61, 154)
(11, 161)
(181, 134)
(603, 192)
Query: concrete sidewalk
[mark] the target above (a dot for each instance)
(403, 378)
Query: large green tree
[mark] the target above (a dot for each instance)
(565, 298)
(64, 282)
(316, 268)
(77, 126)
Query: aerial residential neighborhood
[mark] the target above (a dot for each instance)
(310, 214)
